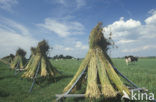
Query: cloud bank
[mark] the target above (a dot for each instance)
(132, 36)
(63, 28)
(72, 3)
(14, 35)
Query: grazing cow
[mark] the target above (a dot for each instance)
(129, 59)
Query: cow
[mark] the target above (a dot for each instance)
(131, 59)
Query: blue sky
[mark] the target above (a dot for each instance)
(66, 25)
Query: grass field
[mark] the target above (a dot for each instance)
(15, 89)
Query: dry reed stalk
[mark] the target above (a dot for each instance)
(107, 89)
(114, 77)
(92, 85)
(30, 62)
(81, 68)
(39, 55)
(43, 67)
(31, 72)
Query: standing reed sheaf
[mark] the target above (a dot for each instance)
(39, 59)
(19, 60)
(101, 78)
(8, 59)
(31, 58)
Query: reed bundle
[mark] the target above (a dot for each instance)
(39, 55)
(8, 59)
(102, 80)
(19, 59)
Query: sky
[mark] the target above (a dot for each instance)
(66, 25)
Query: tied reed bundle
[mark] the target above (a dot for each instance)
(19, 59)
(39, 55)
(8, 59)
(102, 80)
(33, 52)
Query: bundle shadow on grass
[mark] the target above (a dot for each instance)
(100, 77)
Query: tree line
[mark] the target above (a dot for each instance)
(63, 57)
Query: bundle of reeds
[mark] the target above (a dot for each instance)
(33, 52)
(8, 59)
(39, 55)
(19, 59)
(102, 80)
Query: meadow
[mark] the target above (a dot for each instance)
(15, 89)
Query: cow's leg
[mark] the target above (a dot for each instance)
(126, 61)
(129, 60)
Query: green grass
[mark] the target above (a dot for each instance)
(15, 89)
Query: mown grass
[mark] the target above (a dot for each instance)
(15, 89)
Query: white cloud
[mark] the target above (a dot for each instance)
(11, 38)
(72, 3)
(121, 27)
(142, 48)
(13, 26)
(125, 41)
(131, 35)
(80, 45)
(58, 47)
(131, 29)
(152, 19)
(68, 49)
(63, 28)
(8, 4)
(62, 48)
(77, 49)
(80, 3)
(129, 24)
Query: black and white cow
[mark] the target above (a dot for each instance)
(131, 59)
